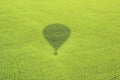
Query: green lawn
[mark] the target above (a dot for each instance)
(92, 51)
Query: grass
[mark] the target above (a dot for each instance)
(91, 52)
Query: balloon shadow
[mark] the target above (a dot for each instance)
(56, 35)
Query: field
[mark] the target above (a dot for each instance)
(92, 51)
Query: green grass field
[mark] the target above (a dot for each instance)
(92, 52)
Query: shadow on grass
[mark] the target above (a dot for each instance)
(56, 35)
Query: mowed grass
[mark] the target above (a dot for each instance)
(92, 51)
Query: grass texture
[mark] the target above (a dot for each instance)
(92, 51)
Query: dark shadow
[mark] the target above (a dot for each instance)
(56, 35)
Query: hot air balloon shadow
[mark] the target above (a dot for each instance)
(56, 35)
